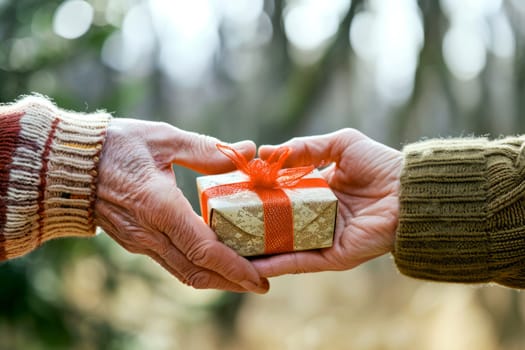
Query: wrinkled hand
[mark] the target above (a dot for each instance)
(364, 176)
(140, 206)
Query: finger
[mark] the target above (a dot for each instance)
(209, 253)
(168, 144)
(200, 277)
(199, 152)
(292, 263)
(196, 278)
(317, 150)
(190, 273)
(159, 247)
(192, 276)
(199, 244)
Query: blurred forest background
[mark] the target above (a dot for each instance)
(266, 70)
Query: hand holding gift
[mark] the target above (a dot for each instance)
(364, 175)
(62, 174)
(140, 206)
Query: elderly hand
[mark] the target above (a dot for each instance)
(140, 206)
(365, 178)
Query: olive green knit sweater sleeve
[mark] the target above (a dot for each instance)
(462, 211)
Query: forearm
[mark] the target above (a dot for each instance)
(48, 173)
(462, 211)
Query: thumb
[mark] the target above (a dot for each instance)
(199, 152)
(317, 150)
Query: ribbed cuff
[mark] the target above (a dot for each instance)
(462, 211)
(442, 232)
(53, 174)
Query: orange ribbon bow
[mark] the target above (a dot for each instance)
(267, 179)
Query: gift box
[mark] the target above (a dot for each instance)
(263, 209)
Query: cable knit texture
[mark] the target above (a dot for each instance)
(48, 172)
(462, 211)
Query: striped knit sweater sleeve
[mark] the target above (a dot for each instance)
(462, 211)
(48, 172)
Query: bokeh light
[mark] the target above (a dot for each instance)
(503, 41)
(131, 48)
(464, 51)
(476, 27)
(310, 23)
(73, 19)
(389, 37)
(239, 10)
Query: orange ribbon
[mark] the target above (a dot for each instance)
(267, 179)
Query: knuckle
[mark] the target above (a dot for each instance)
(200, 144)
(124, 239)
(198, 253)
(143, 238)
(298, 268)
(147, 240)
(199, 279)
(346, 131)
(163, 125)
(350, 133)
(179, 139)
(300, 147)
(164, 250)
(296, 142)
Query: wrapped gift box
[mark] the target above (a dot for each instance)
(255, 221)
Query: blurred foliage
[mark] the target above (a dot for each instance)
(89, 294)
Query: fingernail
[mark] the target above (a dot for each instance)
(265, 284)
